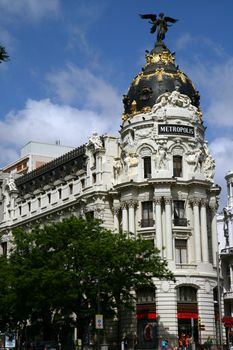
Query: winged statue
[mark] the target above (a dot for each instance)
(159, 23)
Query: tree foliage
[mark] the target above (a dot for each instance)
(64, 268)
(3, 54)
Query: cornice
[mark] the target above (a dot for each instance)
(54, 164)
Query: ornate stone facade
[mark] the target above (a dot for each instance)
(156, 181)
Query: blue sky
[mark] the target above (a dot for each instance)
(72, 60)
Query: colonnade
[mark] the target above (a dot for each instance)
(128, 209)
(164, 224)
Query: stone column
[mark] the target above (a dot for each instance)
(214, 236)
(131, 206)
(124, 216)
(116, 219)
(158, 223)
(196, 224)
(204, 236)
(168, 215)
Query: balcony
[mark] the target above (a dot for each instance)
(147, 223)
(228, 295)
(180, 222)
(228, 250)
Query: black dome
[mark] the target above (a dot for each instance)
(158, 76)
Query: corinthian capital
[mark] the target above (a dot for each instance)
(124, 205)
(132, 203)
(168, 200)
(115, 210)
(195, 201)
(157, 200)
(204, 202)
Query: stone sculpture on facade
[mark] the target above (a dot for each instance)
(10, 183)
(161, 158)
(175, 99)
(131, 162)
(209, 168)
(95, 140)
(117, 167)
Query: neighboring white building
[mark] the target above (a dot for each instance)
(35, 154)
(154, 180)
(225, 237)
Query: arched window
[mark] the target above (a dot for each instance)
(187, 294)
(145, 295)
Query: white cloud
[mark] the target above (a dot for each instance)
(96, 105)
(45, 121)
(183, 41)
(81, 87)
(33, 9)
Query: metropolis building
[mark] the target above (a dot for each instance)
(156, 180)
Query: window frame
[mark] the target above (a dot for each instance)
(147, 167)
(147, 212)
(181, 251)
(177, 165)
(179, 215)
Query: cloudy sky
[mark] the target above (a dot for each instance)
(72, 60)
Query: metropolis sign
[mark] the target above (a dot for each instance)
(174, 129)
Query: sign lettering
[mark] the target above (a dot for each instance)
(173, 129)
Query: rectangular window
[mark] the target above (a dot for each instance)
(147, 214)
(59, 193)
(4, 248)
(90, 215)
(181, 251)
(177, 166)
(49, 198)
(71, 188)
(147, 167)
(179, 214)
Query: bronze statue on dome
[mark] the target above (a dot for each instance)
(160, 24)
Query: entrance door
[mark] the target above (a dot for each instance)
(147, 334)
(188, 327)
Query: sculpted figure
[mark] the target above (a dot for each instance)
(95, 140)
(161, 158)
(117, 167)
(161, 101)
(209, 167)
(198, 160)
(159, 24)
(11, 183)
(131, 161)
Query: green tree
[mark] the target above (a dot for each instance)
(59, 270)
(3, 54)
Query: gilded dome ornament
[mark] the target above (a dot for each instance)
(164, 57)
(134, 107)
(159, 75)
